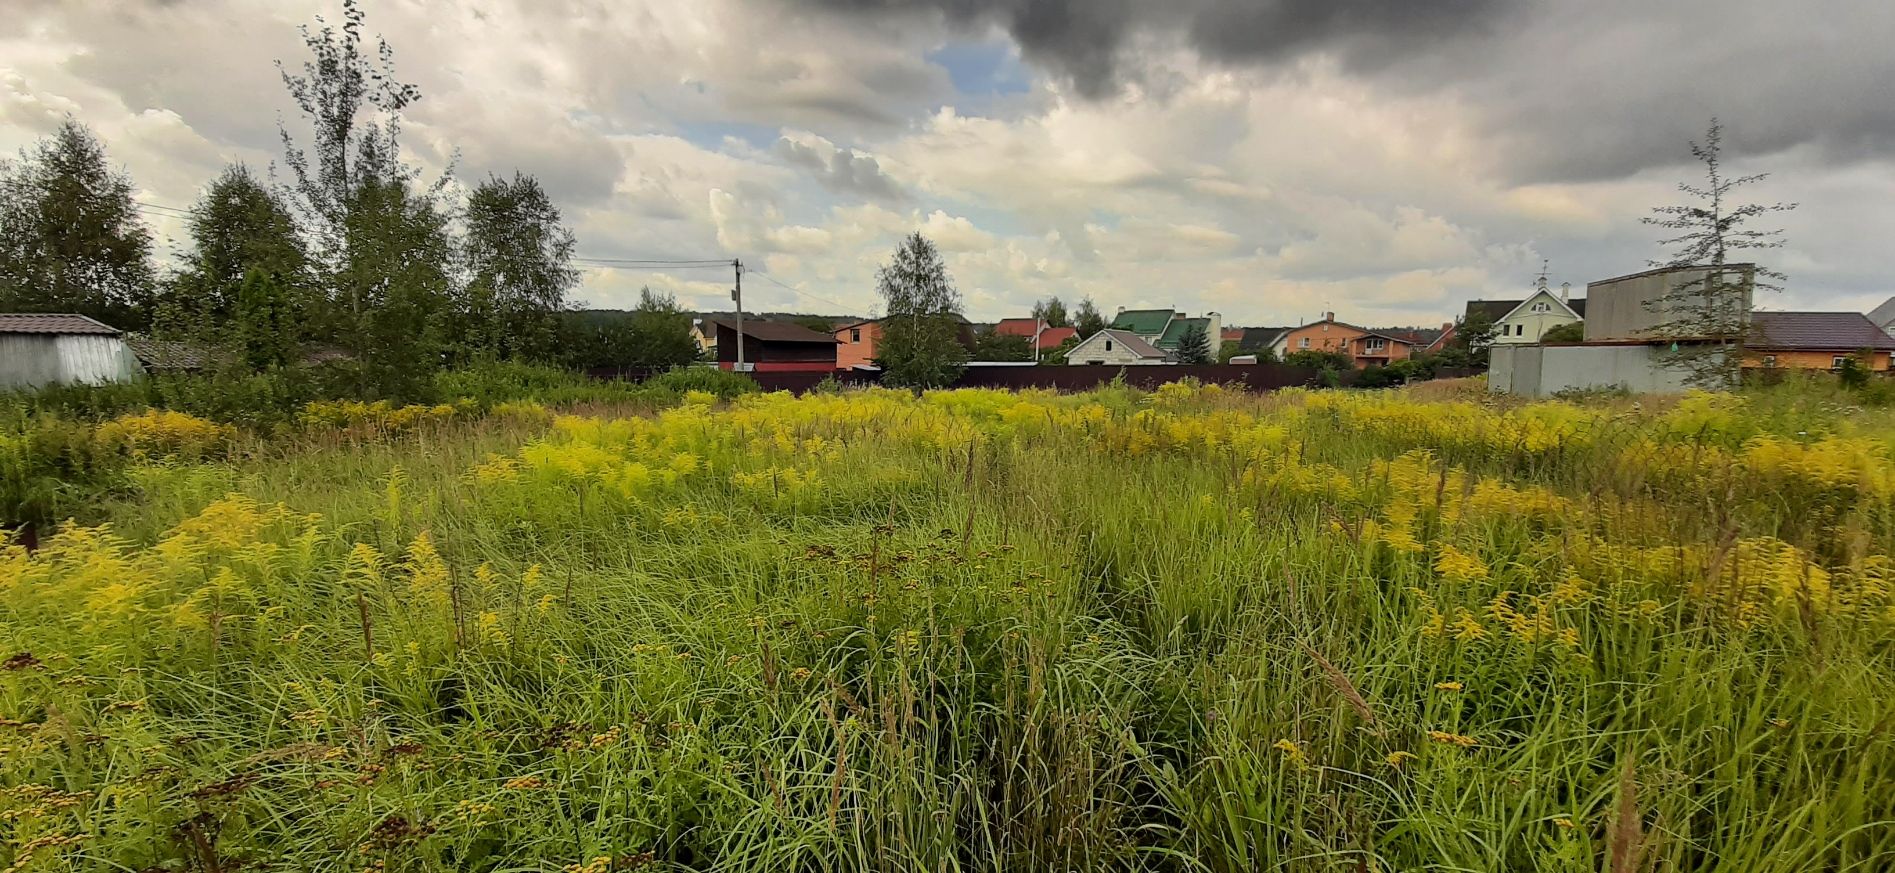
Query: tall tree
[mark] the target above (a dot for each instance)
(1087, 318)
(70, 235)
(1052, 310)
(920, 345)
(1707, 315)
(655, 336)
(1194, 346)
(241, 234)
(519, 263)
(379, 240)
(353, 103)
(400, 286)
(995, 346)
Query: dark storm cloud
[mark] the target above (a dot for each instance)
(1558, 91)
(1086, 40)
(842, 170)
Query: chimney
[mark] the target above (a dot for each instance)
(1329, 316)
(1565, 291)
(1447, 326)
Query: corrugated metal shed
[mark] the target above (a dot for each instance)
(38, 349)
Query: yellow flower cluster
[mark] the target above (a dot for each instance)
(159, 434)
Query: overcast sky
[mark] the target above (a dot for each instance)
(1268, 159)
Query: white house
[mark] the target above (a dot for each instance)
(1884, 316)
(1115, 347)
(38, 349)
(1525, 321)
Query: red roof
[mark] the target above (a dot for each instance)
(1051, 337)
(1017, 326)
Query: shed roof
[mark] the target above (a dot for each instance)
(1819, 331)
(777, 331)
(54, 322)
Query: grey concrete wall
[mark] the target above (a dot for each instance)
(1631, 307)
(1542, 371)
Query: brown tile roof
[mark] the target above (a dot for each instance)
(776, 331)
(1817, 331)
(49, 322)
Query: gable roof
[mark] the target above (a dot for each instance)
(1052, 337)
(862, 321)
(1131, 341)
(55, 323)
(1499, 310)
(1817, 331)
(1407, 339)
(1174, 332)
(1258, 338)
(1017, 326)
(776, 331)
(1144, 322)
(1883, 315)
(1574, 311)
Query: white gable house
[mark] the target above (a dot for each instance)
(1115, 347)
(1529, 320)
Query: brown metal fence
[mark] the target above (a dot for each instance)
(1255, 378)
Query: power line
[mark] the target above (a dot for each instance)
(768, 278)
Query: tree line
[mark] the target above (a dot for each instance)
(343, 252)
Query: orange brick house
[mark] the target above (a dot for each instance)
(1815, 341)
(1327, 335)
(856, 343)
(1381, 348)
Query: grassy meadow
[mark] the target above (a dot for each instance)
(1186, 630)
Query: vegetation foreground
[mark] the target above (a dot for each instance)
(971, 630)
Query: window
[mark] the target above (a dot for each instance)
(1375, 344)
(1519, 330)
(1303, 343)
(1769, 361)
(1108, 345)
(1542, 307)
(855, 334)
(1837, 362)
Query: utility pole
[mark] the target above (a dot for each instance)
(737, 297)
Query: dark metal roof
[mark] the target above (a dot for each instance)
(1496, 310)
(51, 322)
(777, 331)
(158, 354)
(1259, 338)
(1817, 331)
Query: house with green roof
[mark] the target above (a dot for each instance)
(1166, 328)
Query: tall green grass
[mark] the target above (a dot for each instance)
(975, 631)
